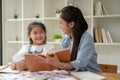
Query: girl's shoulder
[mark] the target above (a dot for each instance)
(25, 46)
(48, 48)
(48, 45)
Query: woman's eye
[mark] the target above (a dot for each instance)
(41, 31)
(60, 23)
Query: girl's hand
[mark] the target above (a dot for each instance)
(21, 65)
(13, 66)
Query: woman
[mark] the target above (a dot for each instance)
(83, 54)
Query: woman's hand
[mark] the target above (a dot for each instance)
(53, 60)
(48, 59)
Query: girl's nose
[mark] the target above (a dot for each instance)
(38, 35)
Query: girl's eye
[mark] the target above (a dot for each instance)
(34, 32)
(38, 32)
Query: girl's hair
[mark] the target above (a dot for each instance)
(71, 13)
(31, 25)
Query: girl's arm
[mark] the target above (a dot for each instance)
(18, 58)
(13, 66)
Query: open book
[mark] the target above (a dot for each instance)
(34, 65)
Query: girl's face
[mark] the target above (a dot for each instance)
(37, 35)
(66, 27)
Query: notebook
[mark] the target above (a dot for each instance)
(86, 75)
(34, 65)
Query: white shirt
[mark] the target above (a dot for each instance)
(46, 48)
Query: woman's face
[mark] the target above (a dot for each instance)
(66, 27)
(37, 35)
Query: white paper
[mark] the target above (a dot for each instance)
(9, 70)
(3, 67)
(86, 75)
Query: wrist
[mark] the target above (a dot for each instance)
(62, 66)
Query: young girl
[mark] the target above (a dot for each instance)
(81, 43)
(37, 38)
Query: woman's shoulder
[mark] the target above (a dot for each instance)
(86, 35)
(66, 39)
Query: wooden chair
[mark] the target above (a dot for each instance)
(108, 68)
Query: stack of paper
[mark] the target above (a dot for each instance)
(86, 75)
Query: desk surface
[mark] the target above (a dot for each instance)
(110, 76)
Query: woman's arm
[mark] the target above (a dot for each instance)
(54, 61)
(62, 66)
(86, 53)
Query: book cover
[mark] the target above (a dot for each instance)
(34, 65)
(99, 34)
(98, 9)
(104, 37)
(96, 35)
(105, 12)
(109, 37)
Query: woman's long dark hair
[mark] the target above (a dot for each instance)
(31, 25)
(71, 13)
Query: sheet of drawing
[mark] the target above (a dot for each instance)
(41, 75)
